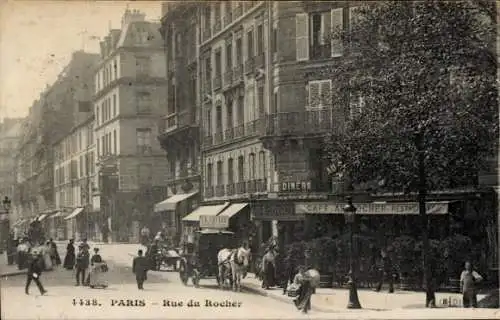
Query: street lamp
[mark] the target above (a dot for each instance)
(350, 218)
(6, 227)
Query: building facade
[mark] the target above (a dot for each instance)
(10, 134)
(128, 97)
(74, 180)
(51, 117)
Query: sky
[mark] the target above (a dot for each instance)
(38, 37)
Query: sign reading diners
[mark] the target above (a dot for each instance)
(214, 222)
(401, 208)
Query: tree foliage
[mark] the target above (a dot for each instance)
(424, 70)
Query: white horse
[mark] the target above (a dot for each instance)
(235, 260)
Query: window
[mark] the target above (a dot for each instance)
(209, 175)
(220, 173)
(320, 94)
(260, 97)
(230, 171)
(103, 146)
(173, 166)
(262, 165)
(218, 63)
(241, 110)
(320, 26)
(82, 165)
(337, 24)
(209, 122)
(251, 166)
(217, 12)
(98, 148)
(250, 48)
(229, 111)
(115, 143)
(208, 69)
(356, 105)
(92, 162)
(239, 51)
(143, 65)
(115, 68)
(241, 169)
(192, 89)
(260, 39)
(229, 55)
(103, 107)
(301, 36)
(144, 174)
(143, 102)
(206, 19)
(114, 105)
(173, 97)
(218, 118)
(143, 136)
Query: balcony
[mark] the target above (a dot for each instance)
(229, 134)
(209, 192)
(177, 121)
(260, 60)
(217, 25)
(220, 190)
(239, 131)
(252, 127)
(217, 82)
(218, 138)
(208, 141)
(302, 123)
(249, 65)
(184, 174)
(240, 187)
(228, 79)
(227, 19)
(206, 33)
(238, 11)
(230, 189)
(261, 185)
(238, 74)
(251, 186)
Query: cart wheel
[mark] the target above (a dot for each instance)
(183, 274)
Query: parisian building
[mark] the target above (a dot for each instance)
(128, 96)
(59, 107)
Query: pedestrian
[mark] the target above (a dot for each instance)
(23, 250)
(54, 254)
(82, 263)
(97, 268)
(306, 281)
(140, 266)
(145, 235)
(269, 267)
(69, 259)
(385, 272)
(468, 280)
(84, 244)
(34, 273)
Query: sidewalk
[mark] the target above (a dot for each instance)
(6, 270)
(335, 300)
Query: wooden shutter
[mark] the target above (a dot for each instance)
(302, 36)
(326, 28)
(326, 93)
(337, 24)
(314, 94)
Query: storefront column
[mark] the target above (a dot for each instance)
(274, 228)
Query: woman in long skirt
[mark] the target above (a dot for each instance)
(45, 251)
(307, 282)
(97, 270)
(69, 259)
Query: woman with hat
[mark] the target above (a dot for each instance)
(306, 281)
(69, 259)
(97, 268)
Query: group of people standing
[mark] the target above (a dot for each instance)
(81, 261)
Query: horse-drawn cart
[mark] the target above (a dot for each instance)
(199, 259)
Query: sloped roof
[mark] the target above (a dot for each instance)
(129, 32)
(15, 130)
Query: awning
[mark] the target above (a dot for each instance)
(73, 214)
(233, 209)
(374, 208)
(170, 203)
(42, 217)
(56, 215)
(205, 211)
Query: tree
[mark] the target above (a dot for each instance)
(420, 82)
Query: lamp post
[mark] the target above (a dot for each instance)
(350, 218)
(6, 225)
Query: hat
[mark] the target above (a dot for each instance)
(96, 249)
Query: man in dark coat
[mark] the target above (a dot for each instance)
(386, 273)
(140, 266)
(82, 263)
(34, 273)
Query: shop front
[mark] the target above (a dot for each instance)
(75, 224)
(191, 222)
(238, 221)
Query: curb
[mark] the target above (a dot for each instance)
(282, 298)
(13, 273)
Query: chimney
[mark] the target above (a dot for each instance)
(103, 49)
(132, 16)
(108, 44)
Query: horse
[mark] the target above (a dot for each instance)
(268, 267)
(237, 261)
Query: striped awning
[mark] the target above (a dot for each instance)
(56, 215)
(73, 214)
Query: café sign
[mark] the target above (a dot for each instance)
(397, 208)
(214, 222)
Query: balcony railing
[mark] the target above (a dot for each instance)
(230, 189)
(179, 120)
(240, 187)
(260, 60)
(321, 51)
(249, 65)
(238, 11)
(238, 73)
(208, 141)
(239, 131)
(206, 34)
(228, 78)
(217, 82)
(218, 138)
(261, 185)
(209, 191)
(229, 134)
(227, 19)
(308, 122)
(217, 25)
(251, 127)
(251, 186)
(220, 190)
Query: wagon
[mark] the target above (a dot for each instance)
(199, 259)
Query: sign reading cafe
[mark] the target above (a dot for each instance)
(401, 208)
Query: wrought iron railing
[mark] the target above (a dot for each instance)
(209, 191)
(220, 190)
(240, 187)
(249, 65)
(230, 189)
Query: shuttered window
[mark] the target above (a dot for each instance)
(302, 36)
(320, 94)
(337, 23)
